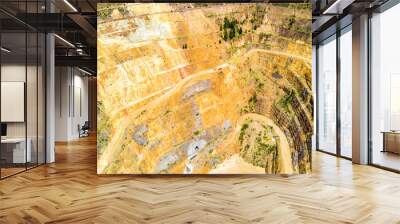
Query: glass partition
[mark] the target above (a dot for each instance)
(22, 88)
(327, 95)
(13, 109)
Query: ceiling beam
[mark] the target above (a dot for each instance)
(86, 26)
(337, 7)
(78, 61)
(83, 23)
(49, 22)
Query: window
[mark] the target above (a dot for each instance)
(327, 95)
(385, 89)
(346, 92)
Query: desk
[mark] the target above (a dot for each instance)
(17, 150)
(391, 141)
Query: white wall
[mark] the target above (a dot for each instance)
(71, 94)
(12, 73)
(80, 103)
(62, 82)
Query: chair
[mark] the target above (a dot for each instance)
(84, 130)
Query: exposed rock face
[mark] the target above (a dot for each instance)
(166, 162)
(194, 147)
(176, 83)
(197, 116)
(196, 88)
(227, 125)
(277, 76)
(139, 135)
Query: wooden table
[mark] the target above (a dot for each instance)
(13, 150)
(391, 141)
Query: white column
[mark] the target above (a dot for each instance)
(360, 90)
(50, 94)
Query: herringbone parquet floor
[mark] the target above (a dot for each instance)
(69, 191)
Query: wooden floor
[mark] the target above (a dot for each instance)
(69, 191)
(386, 159)
(5, 172)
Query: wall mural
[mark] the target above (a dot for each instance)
(204, 88)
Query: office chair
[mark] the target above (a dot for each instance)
(84, 130)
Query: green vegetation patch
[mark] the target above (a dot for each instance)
(104, 14)
(104, 10)
(286, 100)
(258, 144)
(258, 78)
(123, 11)
(141, 113)
(264, 37)
(258, 16)
(251, 104)
(167, 112)
(196, 133)
(296, 28)
(242, 132)
(230, 29)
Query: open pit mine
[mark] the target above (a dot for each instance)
(204, 88)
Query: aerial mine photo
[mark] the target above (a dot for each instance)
(204, 88)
